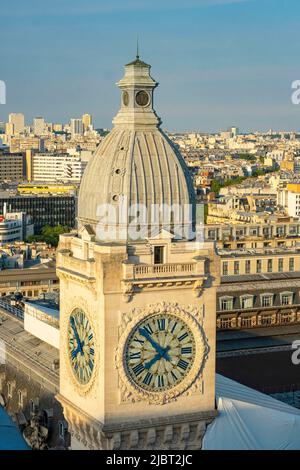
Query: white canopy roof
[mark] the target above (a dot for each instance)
(250, 420)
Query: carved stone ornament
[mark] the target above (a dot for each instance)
(198, 287)
(71, 305)
(130, 391)
(127, 290)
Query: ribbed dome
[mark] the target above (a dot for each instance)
(137, 164)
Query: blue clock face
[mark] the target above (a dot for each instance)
(81, 346)
(159, 352)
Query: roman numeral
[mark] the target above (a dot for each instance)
(182, 337)
(91, 365)
(136, 355)
(138, 340)
(148, 329)
(147, 378)
(90, 337)
(187, 350)
(138, 369)
(160, 380)
(174, 376)
(174, 326)
(182, 364)
(161, 324)
(92, 351)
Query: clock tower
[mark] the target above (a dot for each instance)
(138, 292)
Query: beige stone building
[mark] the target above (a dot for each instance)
(137, 316)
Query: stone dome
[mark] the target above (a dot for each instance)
(137, 178)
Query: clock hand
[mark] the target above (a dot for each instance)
(79, 344)
(165, 354)
(146, 335)
(74, 353)
(149, 364)
(158, 356)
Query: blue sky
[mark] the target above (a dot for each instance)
(218, 62)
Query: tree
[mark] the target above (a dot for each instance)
(49, 235)
(215, 187)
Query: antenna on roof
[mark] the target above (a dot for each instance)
(137, 47)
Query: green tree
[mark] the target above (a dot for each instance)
(49, 235)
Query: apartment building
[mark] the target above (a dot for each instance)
(12, 167)
(52, 167)
(260, 273)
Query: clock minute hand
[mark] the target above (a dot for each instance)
(79, 345)
(156, 358)
(165, 354)
(146, 335)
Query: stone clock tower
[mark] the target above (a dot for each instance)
(138, 292)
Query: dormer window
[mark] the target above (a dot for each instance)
(266, 300)
(286, 298)
(226, 303)
(246, 301)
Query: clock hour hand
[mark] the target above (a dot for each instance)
(158, 356)
(149, 364)
(165, 354)
(79, 344)
(77, 350)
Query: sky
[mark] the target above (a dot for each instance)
(218, 62)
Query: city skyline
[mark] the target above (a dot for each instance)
(214, 71)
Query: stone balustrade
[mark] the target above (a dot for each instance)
(148, 271)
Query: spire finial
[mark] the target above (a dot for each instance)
(137, 47)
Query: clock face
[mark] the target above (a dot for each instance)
(142, 98)
(125, 98)
(159, 352)
(81, 347)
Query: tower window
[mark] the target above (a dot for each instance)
(158, 254)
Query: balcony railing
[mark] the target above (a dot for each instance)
(150, 271)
